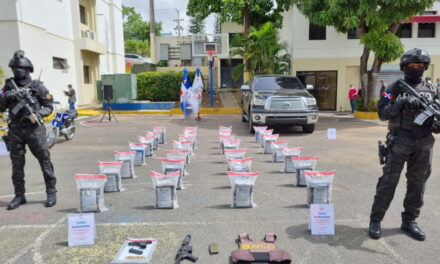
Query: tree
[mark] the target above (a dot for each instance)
(260, 11)
(138, 47)
(376, 20)
(217, 25)
(135, 28)
(244, 12)
(264, 51)
(196, 25)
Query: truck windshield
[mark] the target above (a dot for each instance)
(277, 83)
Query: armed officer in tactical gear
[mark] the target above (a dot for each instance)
(27, 105)
(406, 142)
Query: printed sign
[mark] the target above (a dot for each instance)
(82, 230)
(331, 133)
(322, 220)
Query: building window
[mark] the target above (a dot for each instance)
(86, 74)
(353, 34)
(404, 30)
(426, 30)
(60, 63)
(316, 32)
(82, 15)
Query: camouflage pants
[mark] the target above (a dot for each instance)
(35, 138)
(417, 153)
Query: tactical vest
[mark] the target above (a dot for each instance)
(264, 251)
(405, 121)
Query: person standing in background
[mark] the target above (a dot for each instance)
(352, 95)
(71, 95)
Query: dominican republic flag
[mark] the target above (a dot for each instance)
(387, 95)
(2, 92)
(197, 91)
(185, 94)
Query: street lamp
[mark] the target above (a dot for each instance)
(106, 41)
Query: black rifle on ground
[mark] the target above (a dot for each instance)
(25, 101)
(185, 251)
(429, 110)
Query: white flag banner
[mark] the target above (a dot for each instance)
(197, 91)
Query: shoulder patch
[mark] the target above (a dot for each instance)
(48, 96)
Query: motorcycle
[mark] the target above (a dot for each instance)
(63, 124)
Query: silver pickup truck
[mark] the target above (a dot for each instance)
(278, 100)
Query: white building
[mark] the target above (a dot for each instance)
(330, 60)
(68, 41)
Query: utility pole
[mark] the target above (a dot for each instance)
(179, 27)
(152, 34)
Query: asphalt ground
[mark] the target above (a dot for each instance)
(35, 234)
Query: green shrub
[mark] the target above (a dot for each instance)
(162, 63)
(161, 86)
(372, 106)
(359, 103)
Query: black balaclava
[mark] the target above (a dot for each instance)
(22, 76)
(412, 75)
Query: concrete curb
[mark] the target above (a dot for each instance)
(366, 115)
(174, 111)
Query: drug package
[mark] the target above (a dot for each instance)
(234, 154)
(127, 169)
(242, 186)
(163, 131)
(113, 172)
(261, 134)
(288, 153)
(182, 145)
(222, 138)
(136, 250)
(257, 130)
(230, 144)
(240, 165)
(165, 186)
(191, 138)
(303, 164)
(148, 139)
(139, 148)
(319, 185)
(157, 136)
(277, 154)
(267, 143)
(172, 165)
(91, 192)
(225, 130)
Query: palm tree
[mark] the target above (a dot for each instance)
(264, 51)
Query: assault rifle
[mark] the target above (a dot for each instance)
(429, 110)
(25, 101)
(185, 251)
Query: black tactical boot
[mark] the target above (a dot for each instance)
(18, 200)
(413, 230)
(374, 229)
(51, 200)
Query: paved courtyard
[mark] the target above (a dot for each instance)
(35, 234)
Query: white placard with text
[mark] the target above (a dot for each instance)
(82, 230)
(322, 221)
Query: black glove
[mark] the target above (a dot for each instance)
(10, 95)
(410, 103)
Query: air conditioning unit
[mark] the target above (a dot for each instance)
(92, 35)
(85, 33)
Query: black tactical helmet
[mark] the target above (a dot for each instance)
(20, 60)
(415, 55)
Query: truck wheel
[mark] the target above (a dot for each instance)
(309, 128)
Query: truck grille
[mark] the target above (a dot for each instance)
(288, 103)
